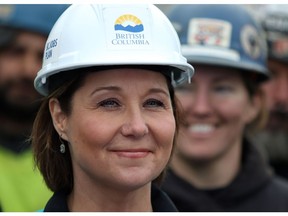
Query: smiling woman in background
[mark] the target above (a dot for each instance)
(215, 167)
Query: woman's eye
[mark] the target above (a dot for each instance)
(109, 103)
(16, 51)
(223, 89)
(154, 103)
(273, 72)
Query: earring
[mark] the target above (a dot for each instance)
(62, 148)
(62, 145)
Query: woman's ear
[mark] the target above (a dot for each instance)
(59, 118)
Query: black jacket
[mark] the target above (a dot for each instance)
(160, 202)
(254, 189)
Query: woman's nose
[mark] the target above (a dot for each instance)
(134, 125)
(201, 103)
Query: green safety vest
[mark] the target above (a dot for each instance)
(22, 188)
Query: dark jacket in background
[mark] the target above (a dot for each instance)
(255, 189)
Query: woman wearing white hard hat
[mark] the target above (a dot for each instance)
(105, 131)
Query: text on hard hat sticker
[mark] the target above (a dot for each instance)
(126, 30)
(49, 46)
(129, 39)
(129, 23)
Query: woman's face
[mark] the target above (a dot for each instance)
(121, 128)
(216, 107)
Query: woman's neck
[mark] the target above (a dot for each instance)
(101, 199)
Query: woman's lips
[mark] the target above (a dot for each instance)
(132, 153)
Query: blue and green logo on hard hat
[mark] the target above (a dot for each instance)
(129, 31)
(129, 23)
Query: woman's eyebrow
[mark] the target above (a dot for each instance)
(106, 88)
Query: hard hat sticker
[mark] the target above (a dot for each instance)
(251, 41)
(210, 32)
(49, 47)
(127, 30)
(129, 23)
(51, 50)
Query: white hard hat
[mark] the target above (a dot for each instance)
(106, 35)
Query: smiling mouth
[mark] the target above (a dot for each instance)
(132, 153)
(201, 129)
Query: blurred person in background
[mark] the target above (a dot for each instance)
(214, 166)
(23, 33)
(273, 140)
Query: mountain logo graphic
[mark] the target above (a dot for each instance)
(129, 23)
